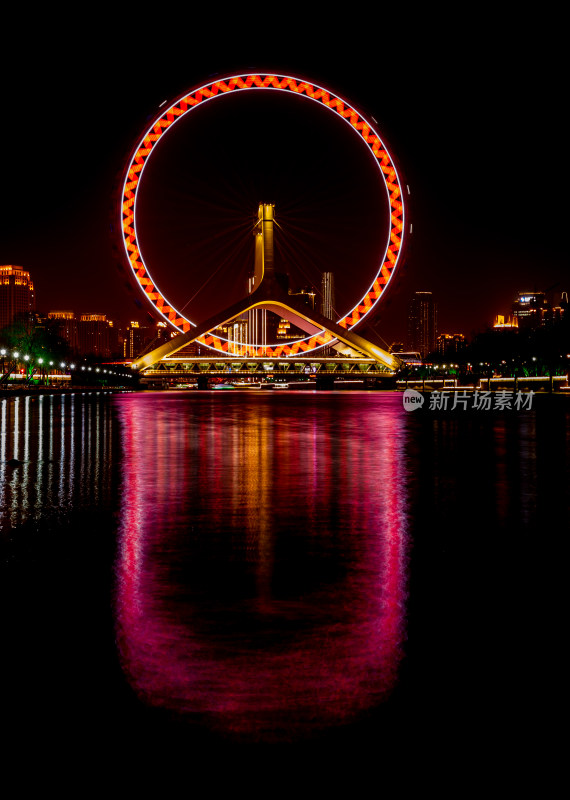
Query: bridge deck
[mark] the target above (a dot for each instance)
(255, 367)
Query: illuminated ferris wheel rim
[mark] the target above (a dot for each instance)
(220, 87)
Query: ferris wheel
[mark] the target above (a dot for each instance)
(215, 91)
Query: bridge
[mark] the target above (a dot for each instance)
(336, 353)
(320, 372)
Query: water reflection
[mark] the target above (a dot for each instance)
(52, 458)
(261, 579)
(262, 566)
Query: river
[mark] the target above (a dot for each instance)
(322, 571)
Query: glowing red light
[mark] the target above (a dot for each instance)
(318, 94)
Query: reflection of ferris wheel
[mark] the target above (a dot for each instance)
(230, 85)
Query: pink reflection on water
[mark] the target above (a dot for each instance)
(306, 514)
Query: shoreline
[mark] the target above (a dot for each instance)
(427, 390)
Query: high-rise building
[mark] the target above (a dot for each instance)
(17, 301)
(328, 304)
(96, 335)
(136, 338)
(531, 309)
(236, 332)
(328, 299)
(422, 323)
(65, 325)
(450, 344)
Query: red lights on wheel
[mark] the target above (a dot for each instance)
(260, 82)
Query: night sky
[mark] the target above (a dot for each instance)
(471, 109)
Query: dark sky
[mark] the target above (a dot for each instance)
(471, 108)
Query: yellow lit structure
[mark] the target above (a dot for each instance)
(267, 294)
(505, 322)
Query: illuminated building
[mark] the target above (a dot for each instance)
(328, 303)
(236, 333)
(284, 329)
(422, 323)
(17, 301)
(65, 325)
(97, 335)
(449, 344)
(136, 339)
(328, 295)
(531, 309)
(502, 322)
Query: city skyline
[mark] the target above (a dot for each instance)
(141, 317)
(462, 142)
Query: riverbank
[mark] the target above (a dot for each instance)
(22, 391)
